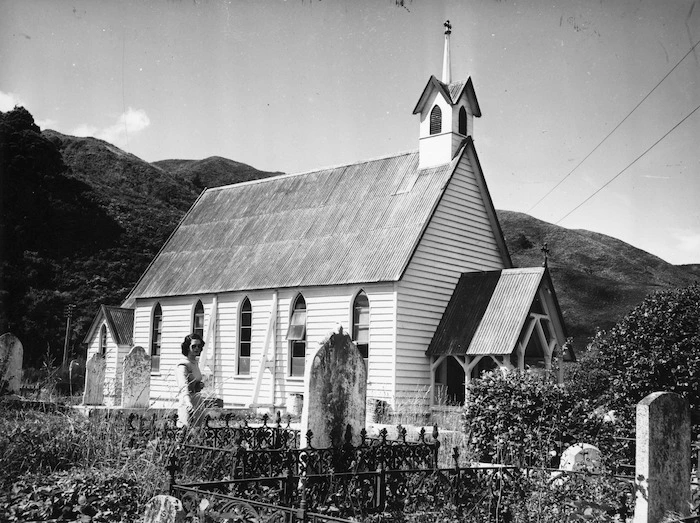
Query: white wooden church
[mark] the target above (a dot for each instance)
(405, 252)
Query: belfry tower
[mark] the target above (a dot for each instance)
(447, 110)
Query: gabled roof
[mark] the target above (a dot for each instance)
(120, 323)
(488, 310)
(452, 93)
(357, 223)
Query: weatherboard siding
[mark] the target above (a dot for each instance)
(458, 238)
(326, 307)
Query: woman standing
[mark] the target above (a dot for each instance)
(189, 381)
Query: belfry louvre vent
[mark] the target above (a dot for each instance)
(435, 120)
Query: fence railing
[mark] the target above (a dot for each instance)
(204, 462)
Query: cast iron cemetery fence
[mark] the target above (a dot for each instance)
(224, 431)
(376, 477)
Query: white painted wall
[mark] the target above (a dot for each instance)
(326, 306)
(459, 238)
(114, 361)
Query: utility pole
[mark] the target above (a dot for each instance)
(68, 313)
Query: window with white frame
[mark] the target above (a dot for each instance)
(103, 340)
(360, 324)
(156, 337)
(198, 319)
(245, 331)
(296, 335)
(462, 121)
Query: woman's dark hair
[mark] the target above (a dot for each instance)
(188, 340)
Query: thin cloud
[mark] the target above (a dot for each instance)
(8, 101)
(84, 130)
(689, 242)
(131, 122)
(128, 124)
(46, 124)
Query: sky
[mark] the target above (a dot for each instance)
(298, 85)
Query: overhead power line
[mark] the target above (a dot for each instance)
(628, 166)
(615, 129)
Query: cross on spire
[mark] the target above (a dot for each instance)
(545, 252)
(446, 66)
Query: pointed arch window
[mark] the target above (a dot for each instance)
(103, 340)
(156, 337)
(198, 319)
(297, 337)
(435, 120)
(245, 332)
(360, 323)
(462, 121)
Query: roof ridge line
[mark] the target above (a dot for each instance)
(302, 173)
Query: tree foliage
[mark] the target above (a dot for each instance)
(47, 223)
(656, 347)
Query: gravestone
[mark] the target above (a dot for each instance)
(581, 457)
(662, 457)
(164, 509)
(11, 354)
(136, 379)
(335, 392)
(94, 380)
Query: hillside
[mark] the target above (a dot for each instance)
(84, 219)
(597, 278)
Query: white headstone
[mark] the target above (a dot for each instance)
(94, 380)
(335, 392)
(136, 379)
(11, 354)
(164, 509)
(581, 457)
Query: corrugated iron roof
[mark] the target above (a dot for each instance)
(487, 312)
(350, 224)
(121, 323)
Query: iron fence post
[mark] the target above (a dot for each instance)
(301, 512)
(172, 468)
(380, 486)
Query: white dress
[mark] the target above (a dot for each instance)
(189, 383)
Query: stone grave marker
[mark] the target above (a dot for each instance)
(136, 379)
(94, 380)
(164, 509)
(335, 392)
(11, 354)
(581, 457)
(662, 458)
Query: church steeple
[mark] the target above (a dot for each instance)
(447, 110)
(446, 65)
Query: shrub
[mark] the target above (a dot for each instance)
(525, 419)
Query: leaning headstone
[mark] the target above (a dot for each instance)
(662, 457)
(581, 457)
(94, 380)
(136, 379)
(11, 354)
(335, 392)
(164, 509)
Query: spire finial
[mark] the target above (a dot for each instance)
(545, 251)
(446, 66)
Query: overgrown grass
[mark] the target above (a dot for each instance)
(63, 464)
